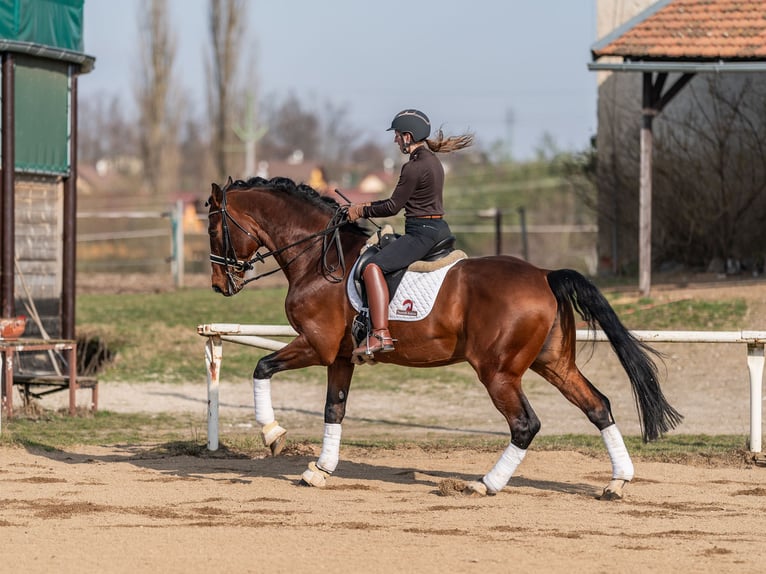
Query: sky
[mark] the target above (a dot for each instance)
(510, 71)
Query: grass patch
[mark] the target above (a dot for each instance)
(56, 429)
(689, 449)
(687, 315)
(154, 335)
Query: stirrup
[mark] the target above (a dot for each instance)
(366, 349)
(385, 348)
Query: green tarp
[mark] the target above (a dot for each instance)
(54, 23)
(35, 30)
(42, 116)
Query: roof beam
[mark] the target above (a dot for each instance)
(682, 67)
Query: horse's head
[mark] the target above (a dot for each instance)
(297, 227)
(232, 245)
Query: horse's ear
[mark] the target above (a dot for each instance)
(216, 194)
(229, 181)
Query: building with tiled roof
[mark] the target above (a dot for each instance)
(682, 54)
(696, 30)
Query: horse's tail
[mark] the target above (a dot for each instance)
(656, 414)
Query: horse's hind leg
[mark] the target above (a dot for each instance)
(567, 378)
(505, 392)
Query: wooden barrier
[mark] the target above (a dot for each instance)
(257, 336)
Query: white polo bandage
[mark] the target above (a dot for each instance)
(501, 473)
(622, 466)
(264, 412)
(328, 458)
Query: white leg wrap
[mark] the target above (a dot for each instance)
(264, 413)
(501, 473)
(622, 466)
(328, 458)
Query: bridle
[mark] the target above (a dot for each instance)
(233, 264)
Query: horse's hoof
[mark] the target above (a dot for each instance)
(278, 444)
(314, 476)
(475, 489)
(613, 490)
(274, 437)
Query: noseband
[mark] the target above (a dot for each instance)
(233, 264)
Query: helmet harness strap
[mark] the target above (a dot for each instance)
(406, 144)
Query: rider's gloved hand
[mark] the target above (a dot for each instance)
(356, 211)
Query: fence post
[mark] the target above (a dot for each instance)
(213, 358)
(755, 362)
(524, 237)
(177, 239)
(497, 215)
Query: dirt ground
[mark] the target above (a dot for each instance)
(135, 508)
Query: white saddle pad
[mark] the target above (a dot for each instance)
(414, 298)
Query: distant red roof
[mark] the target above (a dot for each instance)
(692, 29)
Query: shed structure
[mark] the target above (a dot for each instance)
(665, 44)
(41, 43)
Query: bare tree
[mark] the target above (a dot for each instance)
(104, 131)
(292, 127)
(617, 171)
(338, 138)
(710, 174)
(195, 158)
(227, 27)
(158, 101)
(368, 156)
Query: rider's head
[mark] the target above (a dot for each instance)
(411, 126)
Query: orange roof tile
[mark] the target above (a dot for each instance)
(692, 29)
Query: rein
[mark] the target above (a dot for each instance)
(330, 239)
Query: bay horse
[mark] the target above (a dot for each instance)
(501, 314)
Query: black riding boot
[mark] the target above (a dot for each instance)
(377, 296)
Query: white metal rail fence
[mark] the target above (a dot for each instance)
(258, 336)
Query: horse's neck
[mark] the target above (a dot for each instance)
(290, 226)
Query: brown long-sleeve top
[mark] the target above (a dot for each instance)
(419, 191)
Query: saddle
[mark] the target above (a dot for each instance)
(442, 255)
(433, 260)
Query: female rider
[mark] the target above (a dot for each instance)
(419, 191)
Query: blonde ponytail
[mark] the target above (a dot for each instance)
(441, 145)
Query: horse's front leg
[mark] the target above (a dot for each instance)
(338, 382)
(295, 355)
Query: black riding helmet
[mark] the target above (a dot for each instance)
(414, 122)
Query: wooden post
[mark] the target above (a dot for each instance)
(7, 201)
(177, 258)
(524, 234)
(69, 215)
(645, 192)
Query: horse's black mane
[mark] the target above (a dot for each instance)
(299, 190)
(287, 185)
